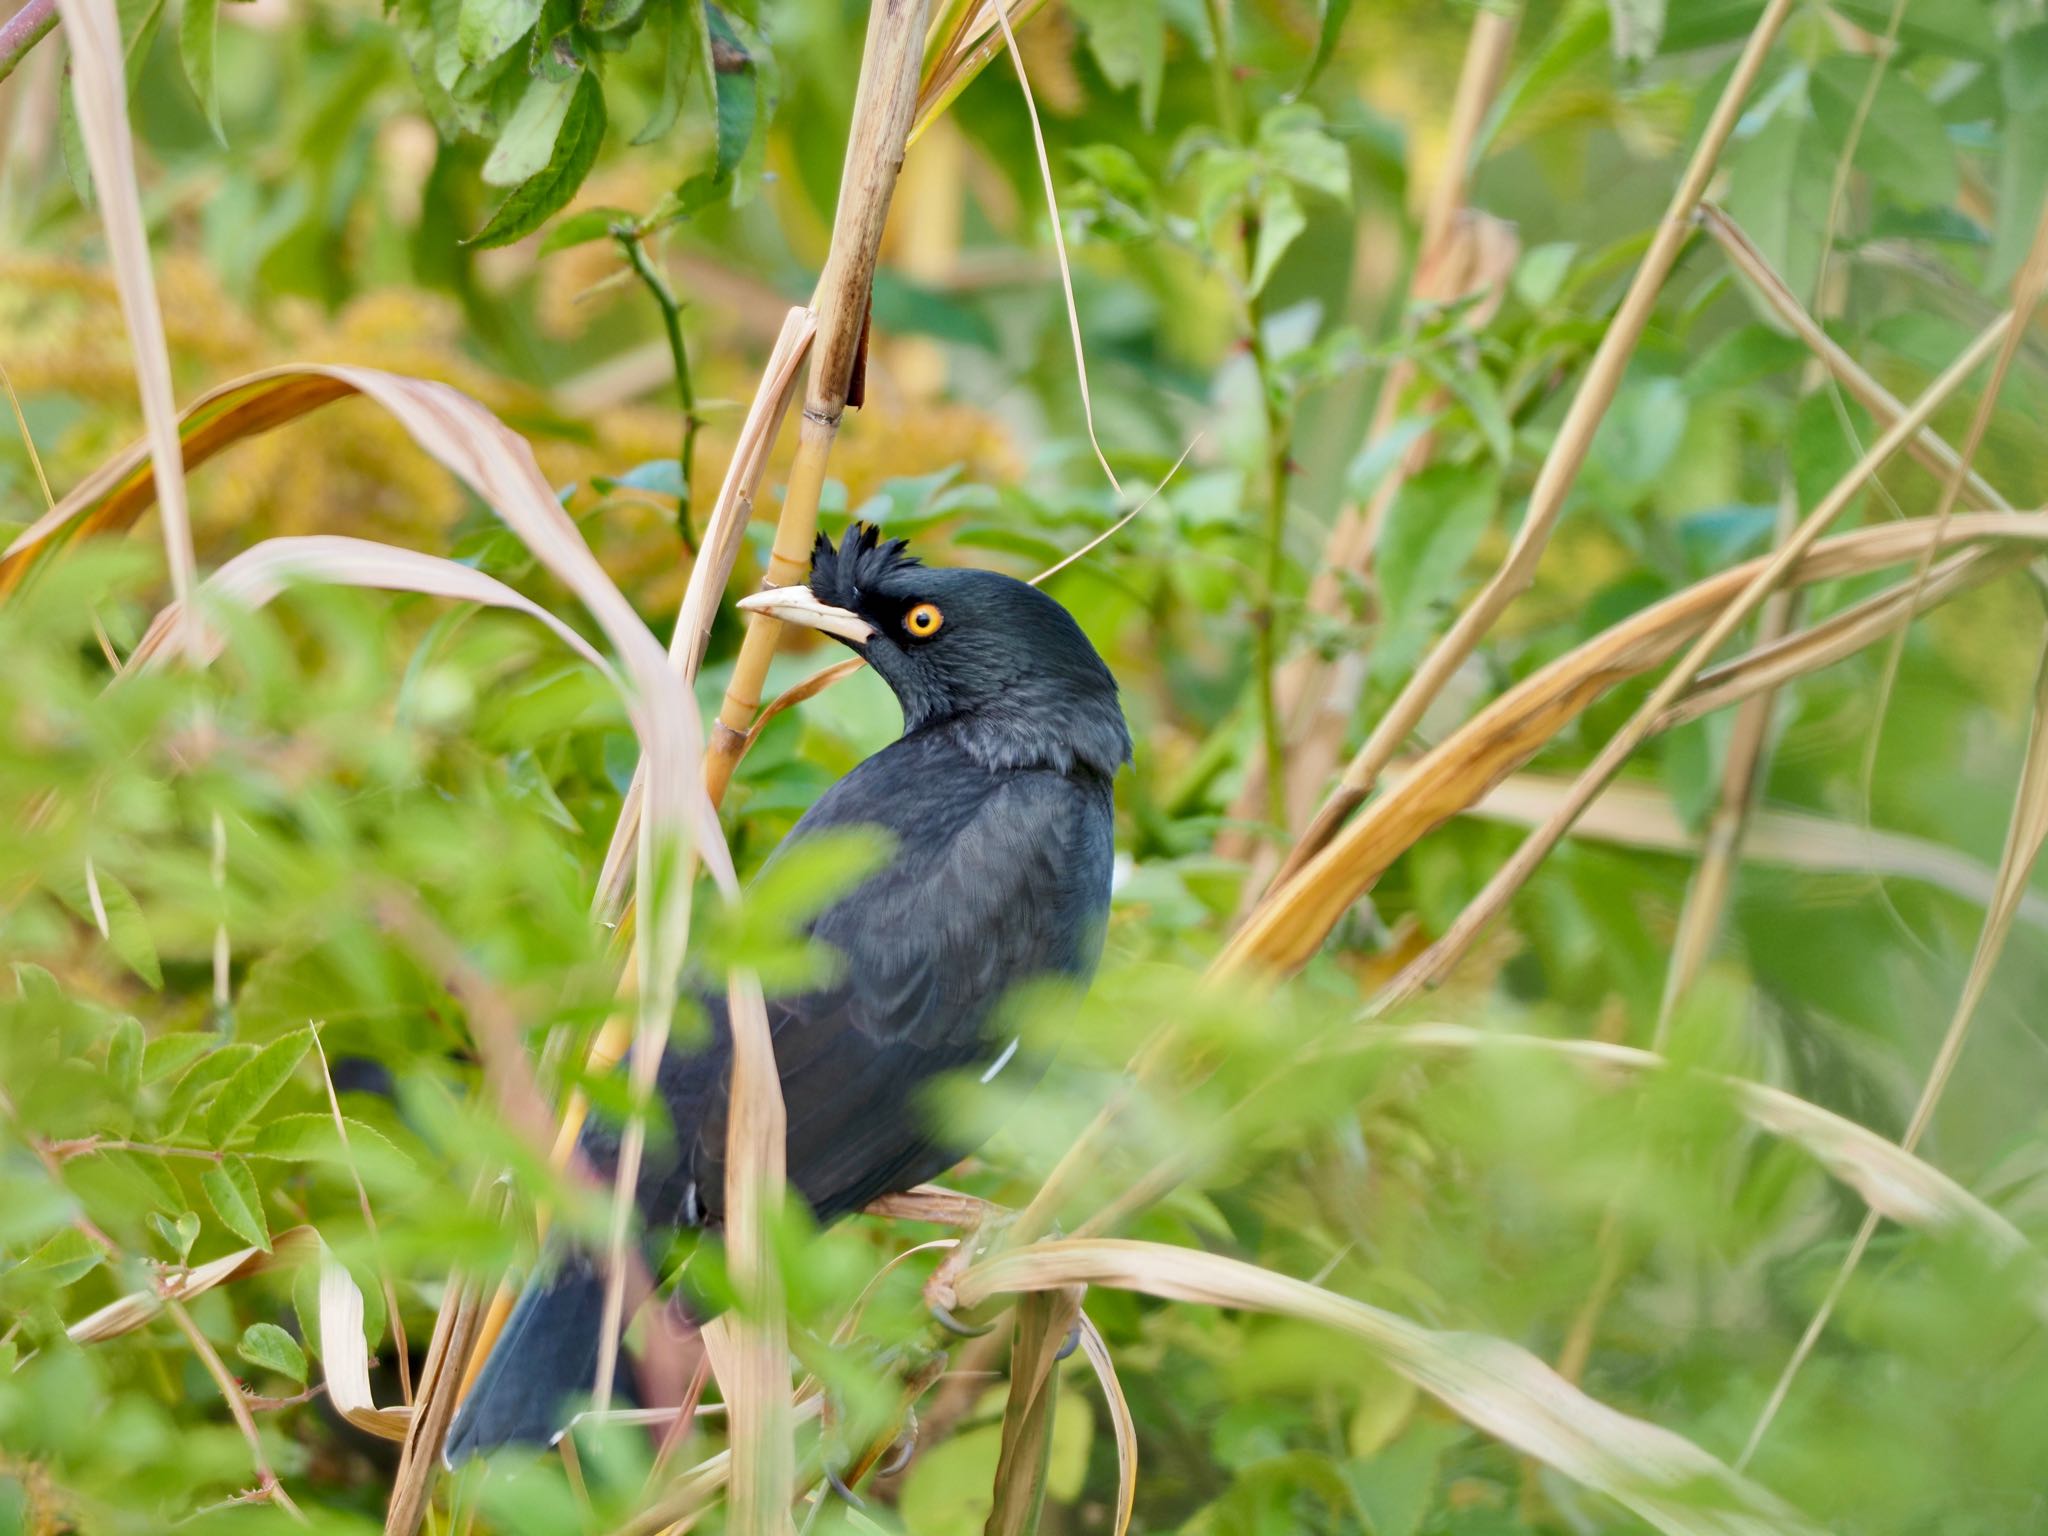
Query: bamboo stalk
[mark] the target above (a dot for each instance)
(1561, 466)
(882, 110)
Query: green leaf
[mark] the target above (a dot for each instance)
(1281, 222)
(68, 1257)
(1328, 27)
(197, 29)
(179, 1233)
(484, 29)
(1958, 29)
(211, 1068)
(172, 1053)
(2022, 156)
(1540, 274)
(1432, 530)
(536, 200)
(253, 1085)
(1295, 144)
(231, 1190)
(611, 15)
(527, 146)
(312, 1138)
(1904, 146)
(270, 1348)
(1779, 178)
(582, 227)
(1744, 357)
(737, 94)
(124, 1059)
(685, 56)
(1128, 39)
(128, 930)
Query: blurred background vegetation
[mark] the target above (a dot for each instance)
(1243, 185)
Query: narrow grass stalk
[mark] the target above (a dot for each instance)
(1430, 966)
(1043, 1320)
(1567, 454)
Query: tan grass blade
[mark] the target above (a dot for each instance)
(99, 84)
(970, 47)
(390, 1288)
(1126, 1428)
(1568, 453)
(1496, 1386)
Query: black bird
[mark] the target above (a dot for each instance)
(997, 799)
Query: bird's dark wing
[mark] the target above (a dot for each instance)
(996, 880)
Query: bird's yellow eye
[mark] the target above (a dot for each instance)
(924, 620)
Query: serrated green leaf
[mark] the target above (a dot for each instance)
(68, 1257)
(208, 1070)
(611, 15)
(172, 1053)
(231, 1189)
(1295, 144)
(536, 200)
(253, 1085)
(269, 1347)
(312, 1138)
(197, 37)
(527, 145)
(124, 1059)
(485, 29)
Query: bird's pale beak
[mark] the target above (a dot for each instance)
(799, 605)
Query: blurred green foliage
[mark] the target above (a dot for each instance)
(396, 781)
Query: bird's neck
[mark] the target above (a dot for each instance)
(1014, 731)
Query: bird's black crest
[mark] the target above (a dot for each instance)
(862, 560)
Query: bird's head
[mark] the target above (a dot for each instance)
(985, 654)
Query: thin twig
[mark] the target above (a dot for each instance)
(23, 30)
(238, 1405)
(369, 1223)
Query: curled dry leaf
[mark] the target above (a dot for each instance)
(1125, 1427)
(1496, 1386)
(345, 1355)
(138, 1307)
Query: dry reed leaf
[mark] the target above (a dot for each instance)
(99, 86)
(137, 1308)
(970, 44)
(1495, 1386)
(1121, 1422)
(345, 1355)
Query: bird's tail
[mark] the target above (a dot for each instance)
(544, 1361)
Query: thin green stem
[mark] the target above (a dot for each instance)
(630, 242)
